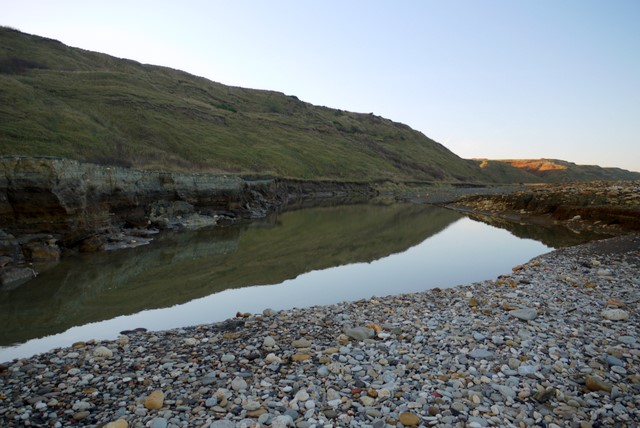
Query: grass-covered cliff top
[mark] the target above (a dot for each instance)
(56, 100)
(61, 101)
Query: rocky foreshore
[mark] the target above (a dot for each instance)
(608, 207)
(555, 343)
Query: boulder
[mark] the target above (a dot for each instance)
(41, 252)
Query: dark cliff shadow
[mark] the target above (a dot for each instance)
(179, 267)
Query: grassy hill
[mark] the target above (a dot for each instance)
(56, 100)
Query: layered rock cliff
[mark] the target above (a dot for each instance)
(49, 205)
(62, 196)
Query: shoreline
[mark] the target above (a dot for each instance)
(454, 357)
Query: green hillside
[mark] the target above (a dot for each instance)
(57, 100)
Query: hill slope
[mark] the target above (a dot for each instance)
(61, 101)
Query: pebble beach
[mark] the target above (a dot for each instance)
(553, 343)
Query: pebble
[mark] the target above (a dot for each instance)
(615, 314)
(628, 340)
(360, 333)
(301, 343)
(155, 400)
(120, 423)
(227, 358)
(409, 419)
(480, 353)
(159, 423)
(526, 314)
(103, 351)
(238, 384)
(535, 350)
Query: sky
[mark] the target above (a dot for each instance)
(497, 79)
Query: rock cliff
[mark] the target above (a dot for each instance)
(62, 196)
(50, 205)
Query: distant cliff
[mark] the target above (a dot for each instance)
(551, 171)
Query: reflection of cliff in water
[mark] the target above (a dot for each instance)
(179, 267)
(551, 235)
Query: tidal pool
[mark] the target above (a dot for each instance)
(313, 256)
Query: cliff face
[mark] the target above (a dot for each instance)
(52, 205)
(64, 196)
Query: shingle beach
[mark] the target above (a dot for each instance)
(554, 343)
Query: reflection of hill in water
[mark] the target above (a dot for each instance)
(179, 267)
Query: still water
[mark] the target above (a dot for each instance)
(302, 258)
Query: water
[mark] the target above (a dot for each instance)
(309, 257)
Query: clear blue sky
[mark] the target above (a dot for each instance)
(496, 79)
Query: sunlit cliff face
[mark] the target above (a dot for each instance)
(536, 166)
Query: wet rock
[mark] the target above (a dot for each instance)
(12, 277)
(92, 244)
(41, 252)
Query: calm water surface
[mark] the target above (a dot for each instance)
(303, 258)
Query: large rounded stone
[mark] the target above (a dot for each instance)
(155, 400)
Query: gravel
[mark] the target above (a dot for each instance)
(552, 344)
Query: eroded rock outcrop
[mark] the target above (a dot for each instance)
(62, 195)
(51, 205)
